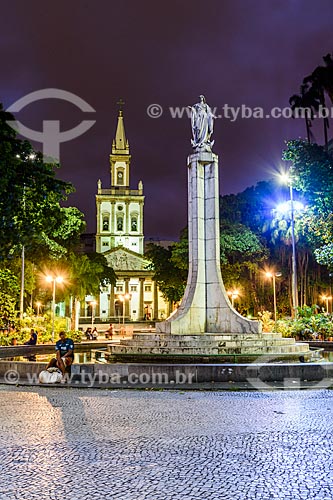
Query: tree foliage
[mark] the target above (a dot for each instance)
(9, 292)
(30, 197)
(312, 174)
(169, 274)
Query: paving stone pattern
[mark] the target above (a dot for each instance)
(58, 443)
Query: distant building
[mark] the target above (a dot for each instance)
(120, 237)
(158, 241)
(87, 243)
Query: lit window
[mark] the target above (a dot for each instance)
(105, 223)
(134, 223)
(120, 178)
(120, 223)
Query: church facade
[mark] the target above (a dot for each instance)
(120, 237)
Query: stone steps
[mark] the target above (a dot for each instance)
(208, 336)
(209, 351)
(208, 344)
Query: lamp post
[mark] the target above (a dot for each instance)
(38, 304)
(273, 275)
(54, 280)
(93, 304)
(128, 297)
(233, 294)
(294, 266)
(286, 179)
(123, 299)
(30, 157)
(326, 298)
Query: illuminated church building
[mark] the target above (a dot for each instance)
(120, 237)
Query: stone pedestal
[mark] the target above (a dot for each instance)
(205, 307)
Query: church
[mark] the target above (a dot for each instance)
(120, 237)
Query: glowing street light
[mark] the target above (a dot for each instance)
(291, 206)
(233, 294)
(38, 304)
(326, 298)
(273, 275)
(123, 298)
(54, 280)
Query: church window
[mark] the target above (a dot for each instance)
(120, 207)
(105, 244)
(105, 222)
(120, 223)
(134, 223)
(120, 177)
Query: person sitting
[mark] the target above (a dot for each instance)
(64, 354)
(94, 334)
(109, 332)
(33, 338)
(89, 334)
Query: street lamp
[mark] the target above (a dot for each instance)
(292, 206)
(38, 304)
(93, 304)
(32, 157)
(53, 280)
(233, 294)
(326, 298)
(123, 299)
(269, 274)
(128, 297)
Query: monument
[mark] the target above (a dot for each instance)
(205, 307)
(205, 325)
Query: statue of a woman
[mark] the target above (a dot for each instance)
(202, 120)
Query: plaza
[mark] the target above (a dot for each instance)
(160, 445)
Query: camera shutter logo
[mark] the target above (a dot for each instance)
(50, 136)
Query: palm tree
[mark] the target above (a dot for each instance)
(319, 82)
(86, 274)
(309, 102)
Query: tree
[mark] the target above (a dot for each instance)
(308, 102)
(312, 174)
(170, 278)
(30, 197)
(86, 274)
(312, 97)
(9, 292)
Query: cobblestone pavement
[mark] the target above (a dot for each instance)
(74, 444)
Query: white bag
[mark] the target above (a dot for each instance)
(50, 376)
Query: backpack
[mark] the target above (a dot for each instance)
(50, 376)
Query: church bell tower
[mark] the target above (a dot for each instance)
(119, 208)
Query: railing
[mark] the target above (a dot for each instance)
(131, 192)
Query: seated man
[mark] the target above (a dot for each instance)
(64, 353)
(109, 332)
(33, 338)
(89, 334)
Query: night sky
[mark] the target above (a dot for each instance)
(252, 52)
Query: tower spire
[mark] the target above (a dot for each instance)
(120, 143)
